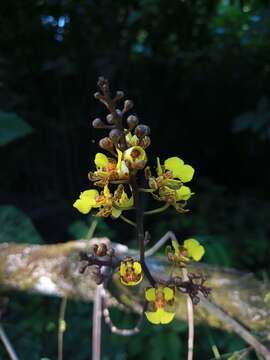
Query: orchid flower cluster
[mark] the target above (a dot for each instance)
(121, 172)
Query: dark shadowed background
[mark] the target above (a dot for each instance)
(199, 74)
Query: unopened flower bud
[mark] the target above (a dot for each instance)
(110, 119)
(142, 130)
(119, 112)
(115, 135)
(132, 121)
(119, 95)
(128, 104)
(98, 123)
(106, 143)
(145, 142)
(97, 95)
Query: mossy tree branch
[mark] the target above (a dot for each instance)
(54, 270)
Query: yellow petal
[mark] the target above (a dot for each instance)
(195, 250)
(198, 253)
(106, 191)
(159, 317)
(150, 294)
(122, 269)
(116, 212)
(190, 243)
(123, 170)
(165, 316)
(126, 202)
(173, 164)
(137, 267)
(101, 160)
(184, 193)
(83, 206)
(184, 173)
(176, 247)
(90, 195)
(153, 317)
(168, 293)
(159, 168)
(119, 158)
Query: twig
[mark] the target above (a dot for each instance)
(236, 327)
(168, 236)
(190, 320)
(109, 322)
(9, 348)
(61, 327)
(97, 318)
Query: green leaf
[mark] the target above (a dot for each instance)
(15, 226)
(12, 127)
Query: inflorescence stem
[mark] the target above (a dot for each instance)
(140, 228)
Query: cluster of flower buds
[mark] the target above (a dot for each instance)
(114, 177)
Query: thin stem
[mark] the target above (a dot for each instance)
(140, 228)
(92, 229)
(109, 322)
(61, 327)
(130, 222)
(158, 210)
(168, 236)
(97, 319)
(7, 344)
(190, 320)
(146, 190)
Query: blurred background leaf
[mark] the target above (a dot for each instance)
(12, 127)
(16, 227)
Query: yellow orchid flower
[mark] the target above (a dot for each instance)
(130, 272)
(172, 174)
(135, 157)
(191, 249)
(108, 169)
(158, 299)
(109, 204)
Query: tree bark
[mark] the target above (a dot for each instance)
(53, 270)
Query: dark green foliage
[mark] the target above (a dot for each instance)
(15, 226)
(12, 127)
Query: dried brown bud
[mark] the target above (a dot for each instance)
(128, 104)
(106, 143)
(142, 130)
(132, 121)
(115, 135)
(100, 249)
(98, 123)
(119, 112)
